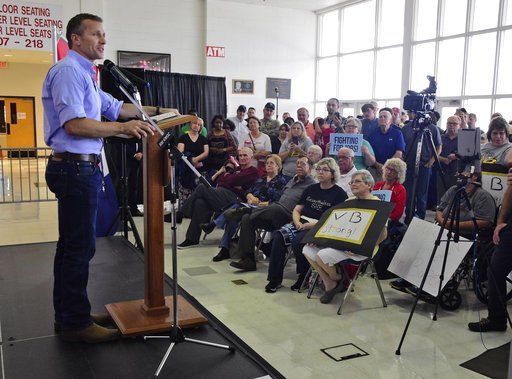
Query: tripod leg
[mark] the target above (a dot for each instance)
(226, 347)
(164, 359)
(138, 241)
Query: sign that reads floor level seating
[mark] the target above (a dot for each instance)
(352, 141)
(354, 225)
(494, 180)
(28, 26)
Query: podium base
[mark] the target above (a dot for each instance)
(132, 320)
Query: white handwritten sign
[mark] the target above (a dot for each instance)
(352, 141)
(496, 184)
(411, 259)
(383, 195)
(348, 225)
(28, 26)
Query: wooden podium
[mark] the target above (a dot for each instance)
(153, 314)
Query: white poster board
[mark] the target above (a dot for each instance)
(411, 259)
(496, 184)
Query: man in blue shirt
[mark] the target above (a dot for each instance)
(387, 141)
(370, 123)
(73, 105)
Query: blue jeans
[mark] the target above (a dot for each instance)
(420, 200)
(76, 185)
(230, 227)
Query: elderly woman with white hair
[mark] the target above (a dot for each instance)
(294, 146)
(315, 200)
(394, 176)
(324, 260)
(315, 153)
(354, 126)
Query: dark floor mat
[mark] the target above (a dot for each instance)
(30, 348)
(493, 363)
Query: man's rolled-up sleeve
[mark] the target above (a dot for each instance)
(68, 95)
(110, 107)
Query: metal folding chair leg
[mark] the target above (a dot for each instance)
(375, 276)
(351, 284)
(306, 278)
(313, 280)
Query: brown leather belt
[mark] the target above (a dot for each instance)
(76, 157)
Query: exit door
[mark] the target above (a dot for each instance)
(17, 124)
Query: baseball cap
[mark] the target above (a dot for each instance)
(270, 106)
(241, 108)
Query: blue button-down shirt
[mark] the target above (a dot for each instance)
(70, 91)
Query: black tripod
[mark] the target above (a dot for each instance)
(421, 132)
(453, 215)
(176, 335)
(124, 213)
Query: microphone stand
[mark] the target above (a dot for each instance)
(277, 103)
(166, 142)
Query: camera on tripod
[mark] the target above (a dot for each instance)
(420, 103)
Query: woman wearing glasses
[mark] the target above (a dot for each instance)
(295, 145)
(324, 260)
(316, 199)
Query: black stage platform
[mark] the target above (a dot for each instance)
(29, 347)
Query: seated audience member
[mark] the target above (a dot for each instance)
(315, 200)
(303, 116)
(185, 128)
(314, 153)
(499, 149)
(324, 260)
(394, 176)
(294, 146)
(259, 143)
(370, 122)
(273, 216)
(221, 144)
(499, 269)
(427, 159)
(449, 158)
(195, 147)
(240, 132)
(323, 133)
(281, 137)
(353, 126)
(232, 183)
(387, 142)
(347, 169)
(484, 209)
(251, 112)
(264, 191)
(267, 124)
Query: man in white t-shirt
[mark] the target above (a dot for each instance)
(347, 168)
(241, 131)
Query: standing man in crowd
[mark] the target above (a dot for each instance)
(449, 157)
(73, 105)
(334, 119)
(387, 142)
(498, 270)
(269, 126)
(303, 116)
(370, 122)
(240, 133)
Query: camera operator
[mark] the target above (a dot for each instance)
(498, 270)
(232, 183)
(449, 158)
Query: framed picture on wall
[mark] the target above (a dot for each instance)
(243, 86)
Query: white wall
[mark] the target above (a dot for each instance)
(263, 42)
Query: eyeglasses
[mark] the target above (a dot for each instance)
(343, 157)
(323, 169)
(356, 181)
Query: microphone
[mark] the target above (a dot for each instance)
(276, 89)
(118, 76)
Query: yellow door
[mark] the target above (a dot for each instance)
(20, 122)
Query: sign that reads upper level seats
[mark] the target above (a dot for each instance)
(215, 51)
(28, 26)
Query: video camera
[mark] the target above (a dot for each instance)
(420, 103)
